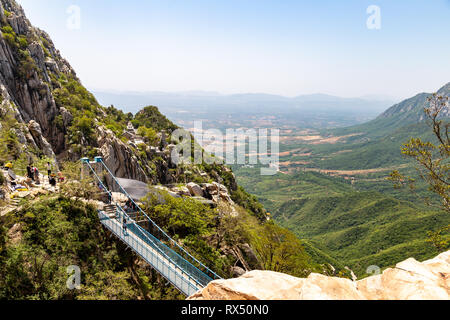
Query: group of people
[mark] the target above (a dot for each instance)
(53, 178)
(130, 206)
(33, 174)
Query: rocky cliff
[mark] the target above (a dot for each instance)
(57, 117)
(42, 90)
(409, 280)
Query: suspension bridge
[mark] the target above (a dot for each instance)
(140, 233)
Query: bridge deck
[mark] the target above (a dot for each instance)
(161, 252)
(165, 267)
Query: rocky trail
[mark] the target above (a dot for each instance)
(13, 195)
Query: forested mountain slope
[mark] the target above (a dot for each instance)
(348, 209)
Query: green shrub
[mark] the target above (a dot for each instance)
(26, 64)
(149, 134)
(45, 42)
(58, 233)
(8, 29)
(10, 148)
(150, 117)
(23, 42)
(249, 202)
(85, 126)
(10, 39)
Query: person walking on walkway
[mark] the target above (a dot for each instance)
(124, 225)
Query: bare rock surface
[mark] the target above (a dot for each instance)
(408, 280)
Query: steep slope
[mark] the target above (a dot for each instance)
(356, 228)
(407, 112)
(44, 93)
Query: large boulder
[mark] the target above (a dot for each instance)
(119, 158)
(195, 189)
(269, 285)
(411, 280)
(36, 132)
(408, 280)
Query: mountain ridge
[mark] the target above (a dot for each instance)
(408, 112)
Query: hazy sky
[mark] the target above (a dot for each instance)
(282, 47)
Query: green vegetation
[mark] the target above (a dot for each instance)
(339, 224)
(149, 134)
(249, 202)
(10, 148)
(354, 228)
(205, 232)
(87, 114)
(47, 235)
(19, 44)
(150, 117)
(116, 120)
(280, 250)
(357, 218)
(56, 233)
(433, 156)
(189, 222)
(432, 159)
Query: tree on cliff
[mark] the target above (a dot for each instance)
(433, 162)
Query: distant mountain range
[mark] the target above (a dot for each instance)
(251, 110)
(250, 102)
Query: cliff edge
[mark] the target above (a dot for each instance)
(408, 280)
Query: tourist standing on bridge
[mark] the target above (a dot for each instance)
(124, 224)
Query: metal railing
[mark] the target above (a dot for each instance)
(184, 275)
(163, 266)
(161, 234)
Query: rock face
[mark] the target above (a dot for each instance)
(195, 189)
(36, 132)
(35, 82)
(409, 280)
(119, 157)
(28, 88)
